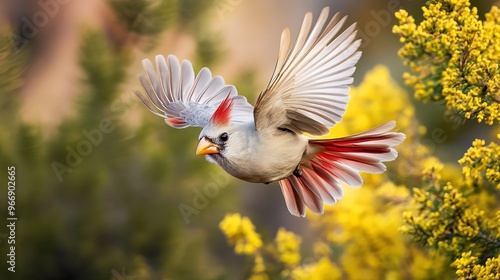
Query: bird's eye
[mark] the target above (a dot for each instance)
(224, 137)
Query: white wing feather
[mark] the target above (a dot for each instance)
(308, 91)
(173, 93)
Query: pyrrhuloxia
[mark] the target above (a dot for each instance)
(307, 93)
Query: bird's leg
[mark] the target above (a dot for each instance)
(298, 171)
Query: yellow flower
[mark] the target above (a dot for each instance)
(482, 162)
(324, 269)
(468, 267)
(445, 218)
(259, 276)
(240, 232)
(454, 56)
(288, 246)
(259, 269)
(431, 165)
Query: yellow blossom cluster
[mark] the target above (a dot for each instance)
(449, 224)
(467, 266)
(240, 232)
(288, 247)
(454, 56)
(259, 269)
(446, 219)
(323, 269)
(482, 163)
(367, 220)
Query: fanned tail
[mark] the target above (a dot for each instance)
(339, 160)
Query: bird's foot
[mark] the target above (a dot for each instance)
(298, 171)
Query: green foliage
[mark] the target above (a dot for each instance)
(98, 198)
(147, 17)
(85, 213)
(209, 51)
(104, 68)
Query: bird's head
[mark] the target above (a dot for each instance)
(216, 137)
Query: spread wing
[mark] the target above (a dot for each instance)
(173, 93)
(308, 91)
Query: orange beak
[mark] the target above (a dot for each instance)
(207, 147)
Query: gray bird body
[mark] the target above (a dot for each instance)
(242, 156)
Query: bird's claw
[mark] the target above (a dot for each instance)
(298, 171)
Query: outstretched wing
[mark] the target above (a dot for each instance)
(308, 91)
(173, 93)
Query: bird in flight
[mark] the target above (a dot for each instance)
(307, 93)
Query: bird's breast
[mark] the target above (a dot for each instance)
(271, 159)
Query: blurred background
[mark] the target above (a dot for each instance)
(106, 190)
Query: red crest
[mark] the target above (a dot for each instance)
(222, 115)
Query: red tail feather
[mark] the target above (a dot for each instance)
(341, 160)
